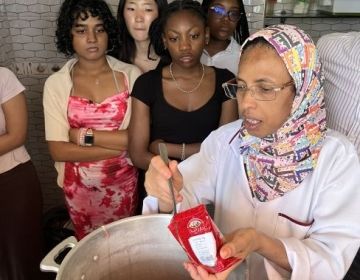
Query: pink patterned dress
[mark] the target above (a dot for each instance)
(103, 191)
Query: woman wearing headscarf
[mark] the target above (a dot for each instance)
(285, 188)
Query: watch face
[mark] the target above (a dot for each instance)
(89, 139)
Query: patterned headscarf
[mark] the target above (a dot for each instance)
(278, 163)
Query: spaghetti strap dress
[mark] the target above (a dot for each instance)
(99, 192)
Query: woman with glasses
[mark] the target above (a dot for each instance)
(228, 30)
(285, 187)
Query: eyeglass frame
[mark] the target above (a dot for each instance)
(224, 12)
(251, 89)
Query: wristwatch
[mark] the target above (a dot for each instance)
(89, 137)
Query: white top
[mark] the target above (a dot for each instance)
(226, 59)
(9, 88)
(323, 249)
(340, 56)
(57, 90)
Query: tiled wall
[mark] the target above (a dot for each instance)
(316, 27)
(27, 29)
(6, 53)
(27, 46)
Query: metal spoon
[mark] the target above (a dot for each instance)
(165, 158)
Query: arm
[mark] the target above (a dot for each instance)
(15, 113)
(240, 244)
(175, 150)
(66, 151)
(243, 242)
(229, 112)
(326, 248)
(57, 128)
(156, 183)
(113, 140)
(139, 134)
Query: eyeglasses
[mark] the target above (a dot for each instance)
(261, 93)
(219, 12)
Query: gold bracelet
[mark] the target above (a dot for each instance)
(183, 156)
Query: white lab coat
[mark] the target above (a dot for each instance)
(325, 204)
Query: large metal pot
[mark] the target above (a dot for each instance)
(135, 248)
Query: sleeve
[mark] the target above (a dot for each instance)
(55, 108)
(146, 87)
(199, 174)
(334, 237)
(222, 76)
(10, 86)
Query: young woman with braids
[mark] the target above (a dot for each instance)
(87, 110)
(181, 103)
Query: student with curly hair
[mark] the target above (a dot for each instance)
(134, 20)
(87, 111)
(228, 30)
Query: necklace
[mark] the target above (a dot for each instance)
(177, 84)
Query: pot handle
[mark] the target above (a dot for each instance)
(48, 263)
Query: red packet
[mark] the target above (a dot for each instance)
(200, 238)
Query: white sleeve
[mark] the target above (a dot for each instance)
(199, 175)
(334, 238)
(150, 205)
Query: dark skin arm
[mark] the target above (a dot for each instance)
(139, 134)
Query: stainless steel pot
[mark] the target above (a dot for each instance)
(135, 248)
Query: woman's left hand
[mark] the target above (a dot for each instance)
(238, 244)
(199, 273)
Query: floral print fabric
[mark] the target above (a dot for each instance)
(103, 191)
(279, 162)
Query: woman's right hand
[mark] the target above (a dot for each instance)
(156, 182)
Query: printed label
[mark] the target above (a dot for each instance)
(204, 248)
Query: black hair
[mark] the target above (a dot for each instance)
(241, 32)
(71, 10)
(257, 42)
(157, 28)
(127, 49)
